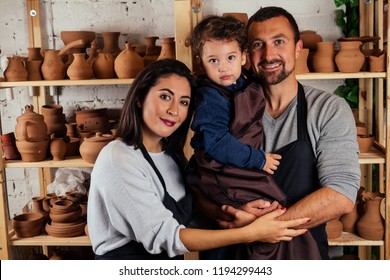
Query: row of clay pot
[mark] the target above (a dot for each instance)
(110, 62)
(365, 220)
(60, 216)
(319, 56)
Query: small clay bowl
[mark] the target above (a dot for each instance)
(28, 224)
(66, 217)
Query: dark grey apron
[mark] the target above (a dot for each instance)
(297, 173)
(181, 212)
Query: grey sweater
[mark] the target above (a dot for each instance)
(125, 201)
(332, 133)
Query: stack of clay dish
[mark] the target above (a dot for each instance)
(31, 134)
(8, 143)
(28, 224)
(91, 147)
(66, 219)
(55, 119)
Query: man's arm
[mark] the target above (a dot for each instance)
(320, 207)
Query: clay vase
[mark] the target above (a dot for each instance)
(16, 70)
(80, 69)
(152, 51)
(8, 143)
(167, 50)
(37, 203)
(34, 53)
(53, 68)
(377, 63)
(91, 147)
(349, 220)
(365, 142)
(103, 66)
(54, 119)
(323, 58)
(30, 126)
(301, 62)
(350, 59)
(334, 228)
(310, 39)
(111, 43)
(128, 63)
(57, 148)
(371, 224)
(34, 70)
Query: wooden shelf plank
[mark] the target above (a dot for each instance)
(349, 239)
(339, 75)
(74, 161)
(47, 240)
(67, 83)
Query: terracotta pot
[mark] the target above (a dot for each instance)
(334, 228)
(111, 43)
(103, 66)
(83, 115)
(57, 148)
(350, 59)
(301, 62)
(377, 63)
(37, 202)
(53, 68)
(66, 217)
(72, 147)
(310, 39)
(34, 53)
(371, 224)
(70, 36)
(28, 224)
(8, 143)
(323, 58)
(91, 147)
(365, 143)
(34, 70)
(33, 151)
(16, 70)
(152, 51)
(30, 126)
(80, 69)
(66, 231)
(361, 129)
(167, 50)
(128, 63)
(349, 220)
(97, 124)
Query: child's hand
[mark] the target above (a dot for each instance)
(272, 162)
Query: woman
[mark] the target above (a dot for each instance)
(139, 206)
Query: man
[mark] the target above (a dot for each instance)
(313, 130)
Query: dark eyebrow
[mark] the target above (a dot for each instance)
(171, 92)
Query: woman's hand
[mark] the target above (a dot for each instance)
(269, 229)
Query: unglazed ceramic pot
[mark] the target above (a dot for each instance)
(28, 224)
(91, 147)
(323, 58)
(167, 50)
(152, 52)
(103, 66)
(80, 69)
(350, 59)
(53, 68)
(365, 143)
(128, 63)
(334, 228)
(301, 63)
(111, 43)
(371, 224)
(16, 70)
(30, 126)
(310, 39)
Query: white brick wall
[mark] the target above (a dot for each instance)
(134, 19)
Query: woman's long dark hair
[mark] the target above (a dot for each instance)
(130, 123)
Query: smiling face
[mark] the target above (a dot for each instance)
(222, 61)
(164, 109)
(272, 49)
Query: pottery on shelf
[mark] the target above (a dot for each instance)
(371, 224)
(16, 70)
(310, 39)
(30, 126)
(53, 68)
(8, 143)
(350, 59)
(80, 69)
(323, 58)
(128, 63)
(301, 62)
(334, 228)
(103, 66)
(152, 52)
(365, 142)
(83, 115)
(28, 224)
(57, 147)
(91, 147)
(111, 43)
(377, 63)
(167, 49)
(71, 36)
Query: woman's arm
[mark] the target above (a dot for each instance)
(266, 228)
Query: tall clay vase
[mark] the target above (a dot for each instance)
(152, 51)
(334, 228)
(371, 225)
(16, 70)
(350, 59)
(111, 43)
(167, 50)
(323, 58)
(301, 62)
(103, 66)
(53, 68)
(310, 39)
(34, 53)
(34, 70)
(80, 69)
(128, 63)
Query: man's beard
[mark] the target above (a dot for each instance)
(275, 77)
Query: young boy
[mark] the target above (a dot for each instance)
(229, 165)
